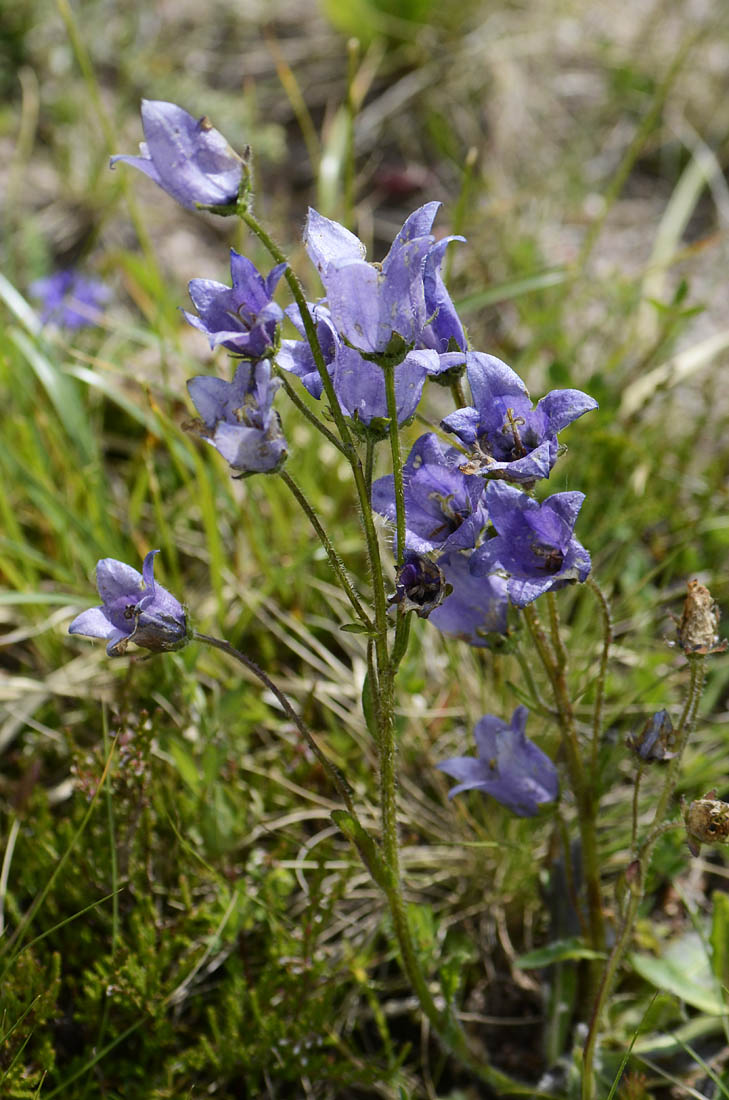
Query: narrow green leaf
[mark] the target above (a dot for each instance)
(572, 948)
(365, 845)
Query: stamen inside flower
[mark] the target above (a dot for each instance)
(550, 558)
(511, 426)
(453, 514)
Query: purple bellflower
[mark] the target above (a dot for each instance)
(509, 767)
(370, 303)
(534, 545)
(506, 437)
(476, 611)
(186, 157)
(358, 383)
(443, 507)
(419, 585)
(296, 356)
(237, 417)
(242, 318)
(135, 609)
(70, 299)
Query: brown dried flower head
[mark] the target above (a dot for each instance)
(707, 821)
(698, 630)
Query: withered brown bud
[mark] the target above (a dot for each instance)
(698, 630)
(707, 822)
(657, 739)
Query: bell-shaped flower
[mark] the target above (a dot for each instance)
(186, 157)
(297, 357)
(443, 507)
(420, 585)
(135, 609)
(242, 318)
(444, 330)
(509, 766)
(534, 545)
(237, 417)
(70, 299)
(369, 303)
(358, 383)
(476, 611)
(506, 437)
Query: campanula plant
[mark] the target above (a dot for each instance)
(471, 542)
(135, 609)
(187, 157)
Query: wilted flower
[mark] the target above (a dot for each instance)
(698, 630)
(707, 821)
(403, 295)
(135, 609)
(534, 545)
(70, 299)
(509, 767)
(358, 383)
(443, 507)
(242, 318)
(186, 157)
(419, 585)
(476, 611)
(506, 437)
(238, 420)
(657, 739)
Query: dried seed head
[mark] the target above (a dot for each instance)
(698, 630)
(707, 822)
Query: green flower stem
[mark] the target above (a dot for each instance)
(334, 560)
(697, 665)
(558, 645)
(636, 793)
(369, 464)
(402, 636)
(340, 783)
(306, 411)
(459, 396)
(394, 433)
(607, 634)
(348, 447)
(554, 666)
(697, 668)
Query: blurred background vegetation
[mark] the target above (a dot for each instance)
(194, 924)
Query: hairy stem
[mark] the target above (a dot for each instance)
(338, 780)
(334, 560)
(697, 664)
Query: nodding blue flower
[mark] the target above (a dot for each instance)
(135, 609)
(508, 766)
(419, 585)
(358, 383)
(505, 436)
(403, 295)
(242, 318)
(237, 417)
(476, 610)
(70, 299)
(443, 507)
(186, 157)
(534, 546)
